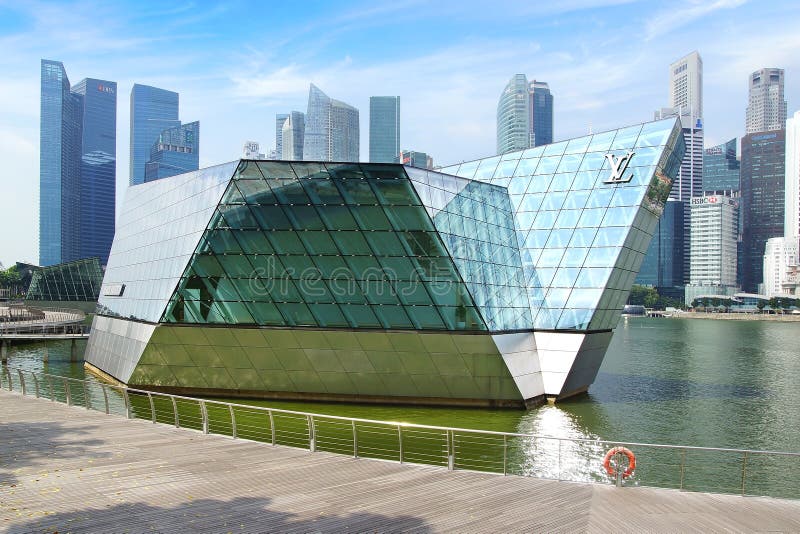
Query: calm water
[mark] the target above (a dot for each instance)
(675, 381)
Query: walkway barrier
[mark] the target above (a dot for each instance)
(739, 471)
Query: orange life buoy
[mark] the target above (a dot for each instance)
(619, 450)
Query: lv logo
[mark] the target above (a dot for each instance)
(618, 168)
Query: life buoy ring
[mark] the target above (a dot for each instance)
(619, 450)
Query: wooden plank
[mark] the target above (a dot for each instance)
(66, 469)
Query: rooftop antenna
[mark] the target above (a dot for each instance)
(590, 128)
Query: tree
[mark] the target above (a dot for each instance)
(643, 296)
(761, 304)
(9, 277)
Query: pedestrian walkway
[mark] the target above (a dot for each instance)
(67, 469)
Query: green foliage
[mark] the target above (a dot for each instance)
(649, 298)
(9, 277)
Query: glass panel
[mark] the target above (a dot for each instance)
(356, 192)
(398, 192)
(256, 192)
(253, 242)
(286, 242)
(337, 217)
(329, 315)
(409, 218)
(322, 191)
(318, 243)
(289, 192)
(351, 243)
(304, 217)
(271, 217)
(385, 243)
(265, 313)
(393, 317)
(297, 314)
(371, 218)
(360, 316)
(425, 317)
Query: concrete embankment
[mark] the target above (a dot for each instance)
(787, 318)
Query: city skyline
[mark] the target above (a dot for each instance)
(247, 82)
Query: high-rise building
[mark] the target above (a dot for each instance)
(763, 200)
(175, 152)
(540, 108)
(153, 110)
(663, 264)
(280, 120)
(686, 84)
(413, 158)
(384, 128)
(721, 167)
(294, 129)
(331, 129)
(791, 224)
(252, 150)
(513, 116)
(714, 236)
(78, 154)
(766, 110)
(779, 255)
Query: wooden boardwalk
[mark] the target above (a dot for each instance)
(66, 469)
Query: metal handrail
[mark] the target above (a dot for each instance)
(450, 438)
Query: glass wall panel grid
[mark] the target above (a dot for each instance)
(78, 280)
(387, 269)
(560, 199)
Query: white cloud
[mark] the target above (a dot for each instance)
(674, 16)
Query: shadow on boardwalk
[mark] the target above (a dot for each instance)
(29, 444)
(242, 514)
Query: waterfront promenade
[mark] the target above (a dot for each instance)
(66, 469)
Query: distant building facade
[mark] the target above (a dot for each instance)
(252, 150)
(721, 167)
(524, 115)
(175, 152)
(663, 264)
(384, 128)
(413, 158)
(294, 129)
(780, 254)
(791, 224)
(280, 120)
(77, 166)
(714, 236)
(153, 110)
(763, 198)
(686, 84)
(331, 129)
(766, 108)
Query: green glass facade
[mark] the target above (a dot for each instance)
(78, 280)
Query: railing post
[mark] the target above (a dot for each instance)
(312, 438)
(152, 407)
(66, 392)
(127, 403)
(105, 397)
(8, 375)
(204, 416)
(21, 380)
(451, 453)
(559, 458)
(400, 441)
(35, 385)
(233, 421)
(355, 440)
(50, 387)
(618, 469)
(86, 396)
(683, 467)
(505, 454)
(744, 471)
(175, 412)
(272, 426)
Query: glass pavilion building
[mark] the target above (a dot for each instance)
(493, 282)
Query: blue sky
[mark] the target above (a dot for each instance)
(236, 64)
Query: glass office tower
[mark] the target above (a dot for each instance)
(384, 128)
(77, 167)
(153, 110)
(721, 167)
(331, 129)
(541, 113)
(176, 151)
(493, 282)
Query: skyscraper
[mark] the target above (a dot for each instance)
(663, 263)
(280, 120)
(780, 254)
(721, 167)
(541, 113)
(524, 115)
(153, 110)
(412, 158)
(686, 84)
(714, 235)
(331, 129)
(766, 109)
(791, 224)
(384, 128)
(763, 200)
(77, 166)
(294, 129)
(175, 152)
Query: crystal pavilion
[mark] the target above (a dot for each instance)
(495, 282)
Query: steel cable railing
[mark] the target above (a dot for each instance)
(746, 472)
